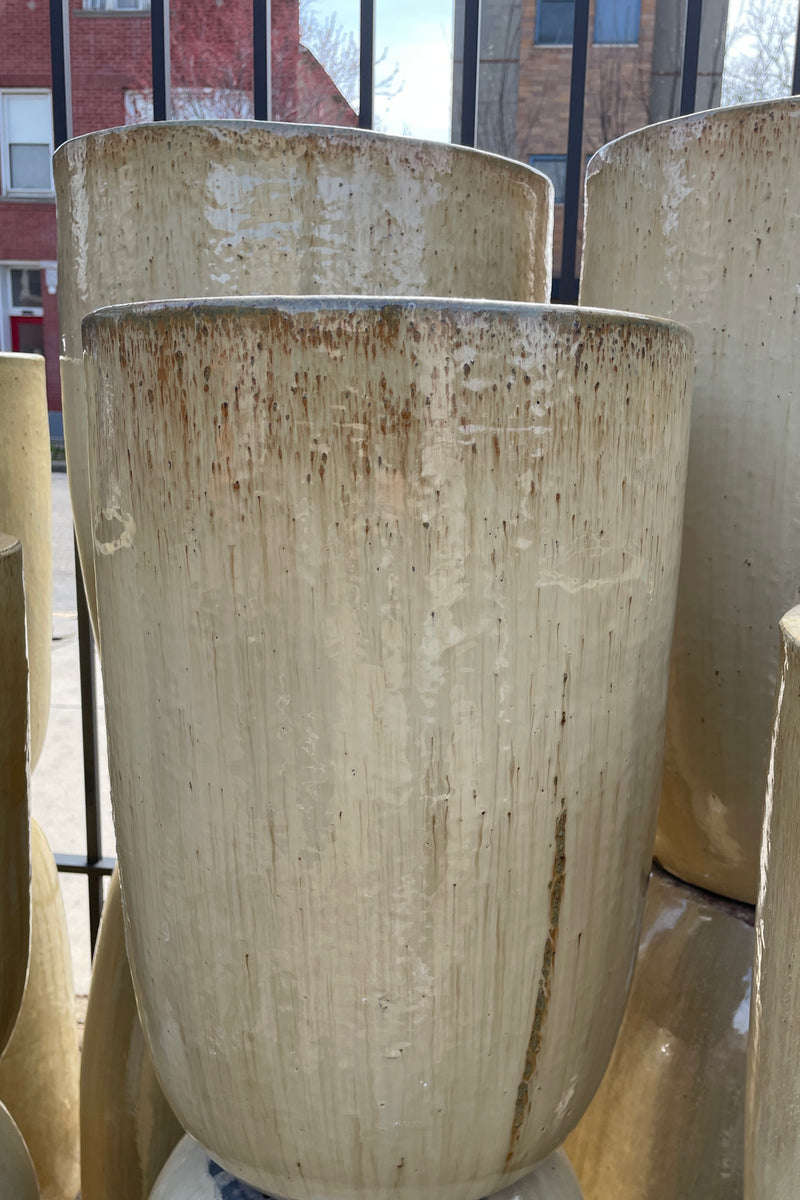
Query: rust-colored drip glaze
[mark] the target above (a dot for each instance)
(386, 597)
(246, 208)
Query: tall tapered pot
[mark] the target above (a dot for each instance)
(390, 607)
(772, 1141)
(246, 208)
(696, 220)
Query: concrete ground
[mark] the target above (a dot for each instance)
(57, 783)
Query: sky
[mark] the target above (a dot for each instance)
(417, 36)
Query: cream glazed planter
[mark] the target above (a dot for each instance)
(772, 1145)
(390, 607)
(26, 513)
(698, 220)
(245, 208)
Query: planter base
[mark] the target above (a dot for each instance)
(190, 1174)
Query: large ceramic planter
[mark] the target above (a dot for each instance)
(127, 1128)
(390, 607)
(15, 854)
(667, 1122)
(243, 208)
(772, 1146)
(26, 513)
(39, 1068)
(696, 220)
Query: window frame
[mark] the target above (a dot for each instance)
(8, 191)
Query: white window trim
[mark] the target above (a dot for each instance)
(5, 158)
(7, 309)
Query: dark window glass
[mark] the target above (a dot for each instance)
(26, 288)
(554, 166)
(554, 22)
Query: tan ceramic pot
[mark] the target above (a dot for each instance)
(191, 1175)
(772, 1147)
(696, 219)
(15, 863)
(668, 1120)
(244, 208)
(39, 1069)
(17, 1175)
(127, 1127)
(390, 607)
(26, 513)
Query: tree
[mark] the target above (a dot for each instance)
(337, 50)
(760, 52)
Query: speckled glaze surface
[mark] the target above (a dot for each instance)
(772, 1145)
(698, 220)
(667, 1122)
(127, 1127)
(15, 864)
(390, 609)
(39, 1069)
(191, 1175)
(243, 208)
(25, 512)
(17, 1176)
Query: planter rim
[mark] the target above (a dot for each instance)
(145, 312)
(288, 131)
(790, 625)
(16, 355)
(684, 124)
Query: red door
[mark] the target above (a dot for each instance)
(27, 335)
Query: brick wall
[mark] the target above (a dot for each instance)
(210, 46)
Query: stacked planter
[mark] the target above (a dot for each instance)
(385, 610)
(693, 219)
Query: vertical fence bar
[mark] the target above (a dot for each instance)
(90, 763)
(568, 284)
(796, 71)
(691, 55)
(262, 60)
(60, 67)
(159, 49)
(366, 66)
(62, 131)
(469, 78)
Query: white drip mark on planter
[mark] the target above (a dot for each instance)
(113, 531)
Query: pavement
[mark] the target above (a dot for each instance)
(57, 794)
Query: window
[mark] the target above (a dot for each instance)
(554, 21)
(554, 166)
(616, 22)
(117, 5)
(21, 309)
(26, 143)
(192, 104)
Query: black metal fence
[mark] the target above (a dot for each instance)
(565, 284)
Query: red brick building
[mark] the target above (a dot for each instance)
(211, 75)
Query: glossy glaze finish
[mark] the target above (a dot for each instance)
(17, 1176)
(697, 220)
(667, 1122)
(26, 513)
(772, 1147)
(39, 1069)
(15, 857)
(390, 609)
(244, 208)
(128, 1129)
(191, 1175)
